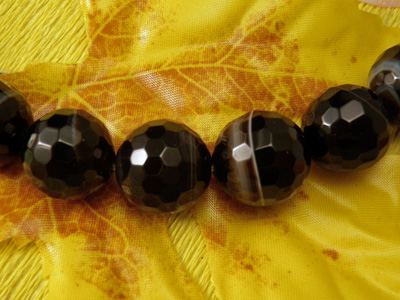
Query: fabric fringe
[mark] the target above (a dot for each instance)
(21, 272)
(188, 241)
(56, 26)
(389, 15)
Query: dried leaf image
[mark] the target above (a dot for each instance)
(204, 63)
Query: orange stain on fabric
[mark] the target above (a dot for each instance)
(216, 234)
(281, 224)
(302, 196)
(127, 80)
(331, 253)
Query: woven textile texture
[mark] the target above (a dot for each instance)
(203, 63)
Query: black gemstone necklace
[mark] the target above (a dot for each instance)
(163, 166)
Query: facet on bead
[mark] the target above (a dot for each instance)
(345, 130)
(163, 166)
(384, 80)
(260, 158)
(69, 154)
(15, 119)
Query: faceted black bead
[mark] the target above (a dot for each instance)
(345, 130)
(15, 119)
(384, 80)
(163, 166)
(259, 158)
(69, 154)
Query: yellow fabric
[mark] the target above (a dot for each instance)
(21, 275)
(204, 63)
(41, 31)
(390, 15)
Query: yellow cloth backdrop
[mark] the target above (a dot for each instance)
(203, 63)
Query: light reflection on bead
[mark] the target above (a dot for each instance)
(163, 166)
(15, 119)
(260, 159)
(69, 154)
(345, 129)
(384, 80)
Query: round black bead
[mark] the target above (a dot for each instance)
(69, 154)
(15, 119)
(163, 166)
(384, 80)
(345, 130)
(259, 158)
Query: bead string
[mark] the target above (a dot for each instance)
(163, 166)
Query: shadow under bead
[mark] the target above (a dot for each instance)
(69, 154)
(163, 166)
(15, 119)
(260, 158)
(346, 130)
(384, 80)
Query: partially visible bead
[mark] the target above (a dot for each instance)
(384, 80)
(69, 154)
(163, 166)
(345, 130)
(260, 158)
(15, 119)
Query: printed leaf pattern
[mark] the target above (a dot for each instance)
(204, 64)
